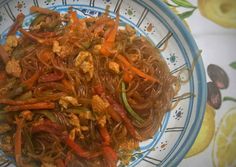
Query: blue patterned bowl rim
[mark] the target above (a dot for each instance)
(203, 88)
(189, 140)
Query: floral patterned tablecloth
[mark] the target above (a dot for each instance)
(216, 142)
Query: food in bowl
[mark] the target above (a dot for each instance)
(80, 91)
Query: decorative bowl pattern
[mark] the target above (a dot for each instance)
(154, 20)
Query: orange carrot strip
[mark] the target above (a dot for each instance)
(128, 76)
(50, 77)
(74, 17)
(80, 151)
(35, 106)
(106, 48)
(105, 135)
(109, 42)
(29, 35)
(135, 70)
(114, 115)
(42, 10)
(17, 24)
(112, 35)
(76, 23)
(17, 102)
(110, 156)
(46, 40)
(31, 81)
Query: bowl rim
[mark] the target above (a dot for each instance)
(195, 128)
(196, 125)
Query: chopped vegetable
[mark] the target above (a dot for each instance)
(51, 77)
(47, 114)
(42, 10)
(125, 62)
(17, 24)
(32, 80)
(105, 135)
(31, 36)
(110, 156)
(35, 106)
(119, 109)
(80, 151)
(108, 44)
(126, 104)
(27, 115)
(18, 102)
(128, 76)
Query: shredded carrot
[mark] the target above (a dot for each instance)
(135, 70)
(17, 102)
(42, 10)
(110, 156)
(35, 106)
(17, 24)
(51, 77)
(114, 115)
(74, 17)
(106, 48)
(31, 36)
(105, 135)
(32, 80)
(76, 23)
(46, 40)
(128, 76)
(109, 42)
(80, 151)
(112, 35)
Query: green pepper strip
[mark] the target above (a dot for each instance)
(78, 110)
(48, 114)
(126, 104)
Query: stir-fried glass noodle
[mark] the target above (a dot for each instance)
(79, 92)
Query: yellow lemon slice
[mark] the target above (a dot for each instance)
(222, 12)
(224, 150)
(205, 134)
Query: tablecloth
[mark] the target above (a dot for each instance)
(218, 45)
